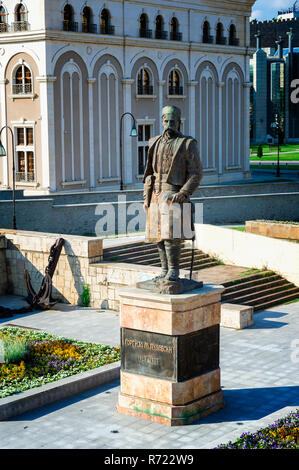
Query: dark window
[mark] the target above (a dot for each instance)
(3, 25)
(68, 19)
(174, 83)
(206, 37)
(25, 155)
(144, 86)
(20, 13)
(220, 39)
(22, 81)
(105, 26)
(86, 19)
(159, 31)
(175, 35)
(233, 40)
(144, 32)
(144, 135)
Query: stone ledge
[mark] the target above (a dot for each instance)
(236, 316)
(29, 400)
(41, 242)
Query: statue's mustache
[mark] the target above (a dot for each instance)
(170, 131)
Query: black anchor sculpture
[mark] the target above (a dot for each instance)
(43, 299)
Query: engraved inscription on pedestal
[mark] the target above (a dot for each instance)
(175, 358)
(149, 354)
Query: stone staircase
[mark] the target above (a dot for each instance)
(147, 254)
(261, 290)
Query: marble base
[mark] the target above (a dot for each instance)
(170, 415)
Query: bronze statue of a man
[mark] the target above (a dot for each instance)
(173, 172)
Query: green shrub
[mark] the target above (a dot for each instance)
(85, 296)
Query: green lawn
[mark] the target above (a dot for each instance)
(270, 152)
(272, 148)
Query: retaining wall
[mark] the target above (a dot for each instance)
(79, 264)
(250, 250)
(223, 205)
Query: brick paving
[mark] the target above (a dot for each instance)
(259, 380)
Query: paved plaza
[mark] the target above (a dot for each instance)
(259, 368)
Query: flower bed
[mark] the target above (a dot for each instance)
(49, 358)
(283, 434)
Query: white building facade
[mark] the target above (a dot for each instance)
(69, 70)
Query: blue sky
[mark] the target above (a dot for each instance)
(267, 9)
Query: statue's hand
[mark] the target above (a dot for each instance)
(179, 198)
(145, 207)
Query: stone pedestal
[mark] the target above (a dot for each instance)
(170, 355)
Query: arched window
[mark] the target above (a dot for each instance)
(144, 32)
(3, 20)
(105, 26)
(68, 19)
(159, 31)
(220, 39)
(87, 27)
(22, 81)
(175, 83)
(233, 40)
(20, 13)
(206, 37)
(144, 85)
(175, 35)
(20, 23)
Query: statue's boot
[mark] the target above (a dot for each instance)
(163, 259)
(173, 252)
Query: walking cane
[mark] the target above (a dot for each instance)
(193, 239)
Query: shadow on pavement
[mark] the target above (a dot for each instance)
(262, 319)
(251, 404)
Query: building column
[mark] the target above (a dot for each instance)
(47, 132)
(91, 81)
(4, 134)
(161, 84)
(246, 87)
(127, 126)
(220, 86)
(192, 112)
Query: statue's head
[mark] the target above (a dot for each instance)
(171, 119)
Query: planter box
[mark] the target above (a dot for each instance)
(273, 229)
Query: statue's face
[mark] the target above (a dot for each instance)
(170, 123)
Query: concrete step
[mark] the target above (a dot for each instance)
(248, 278)
(274, 302)
(268, 299)
(253, 283)
(254, 289)
(151, 254)
(244, 298)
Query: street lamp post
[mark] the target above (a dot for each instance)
(132, 134)
(3, 154)
(278, 131)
